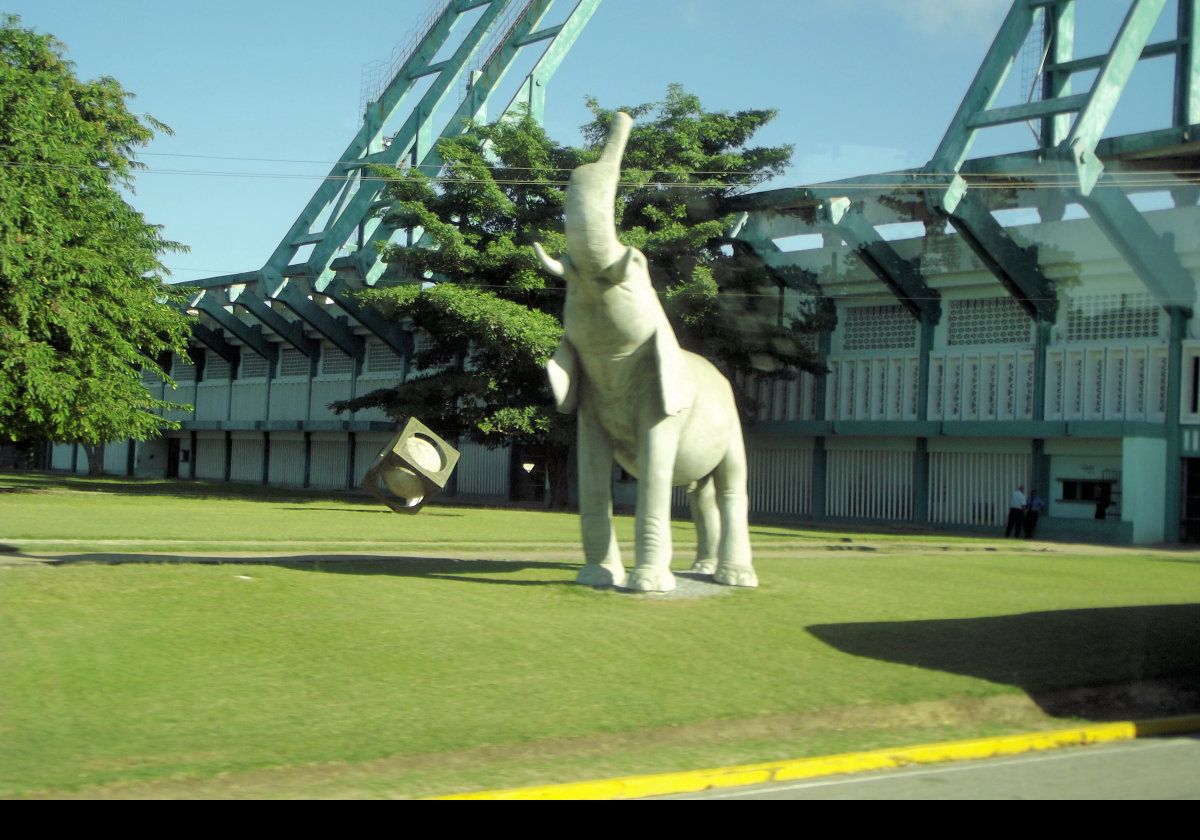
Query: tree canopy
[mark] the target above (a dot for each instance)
(493, 316)
(82, 304)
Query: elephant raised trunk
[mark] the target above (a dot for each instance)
(591, 196)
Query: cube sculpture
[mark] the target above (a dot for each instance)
(413, 467)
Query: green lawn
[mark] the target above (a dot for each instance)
(148, 648)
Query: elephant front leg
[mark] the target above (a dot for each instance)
(658, 442)
(602, 557)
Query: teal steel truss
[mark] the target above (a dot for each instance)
(1070, 162)
(330, 248)
(1071, 156)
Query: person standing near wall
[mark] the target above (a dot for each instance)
(1016, 512)
(1032, 511)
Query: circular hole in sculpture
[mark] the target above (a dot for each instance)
(405, 483)
(422, 452)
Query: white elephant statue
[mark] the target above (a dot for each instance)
(665, 415)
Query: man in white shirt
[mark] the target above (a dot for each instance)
(1016, 512)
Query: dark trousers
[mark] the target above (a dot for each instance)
(1015, 517)
(1031, 519)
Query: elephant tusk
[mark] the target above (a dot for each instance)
(548, 262)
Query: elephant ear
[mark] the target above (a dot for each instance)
(675, 384)
(563, 370)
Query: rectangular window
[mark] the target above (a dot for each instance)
(182, 370)
(292, 362)
(253, 366)
(335, 363)
(1086, 490)
(216, 368)
(382, 359)
(1194, 402)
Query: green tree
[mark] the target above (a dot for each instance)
(82, 304)
(494, 317)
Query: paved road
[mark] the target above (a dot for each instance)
(1158, 768)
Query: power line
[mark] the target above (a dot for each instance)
(921, 181)
(723, 294)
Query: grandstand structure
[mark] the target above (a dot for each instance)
(1016, 318)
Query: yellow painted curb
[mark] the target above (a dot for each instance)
(694, 781)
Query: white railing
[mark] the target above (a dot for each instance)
(981, 385)
(780, 479)
(869, 483)
(974, 488)
(781, 399)
(1103, 382)
(876, 387)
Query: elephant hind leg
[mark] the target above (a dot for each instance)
(734, 563)
(702, 500)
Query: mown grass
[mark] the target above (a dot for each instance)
(463, 656)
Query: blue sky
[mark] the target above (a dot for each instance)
(264, 94)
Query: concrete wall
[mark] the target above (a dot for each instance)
(1143, 488)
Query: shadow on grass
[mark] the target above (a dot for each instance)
(425, 513)
(1101, 664)
(466, 570)
(33, 482)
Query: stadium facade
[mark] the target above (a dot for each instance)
(1022, 319)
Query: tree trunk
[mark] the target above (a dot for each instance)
(95, 457)
(556, 472)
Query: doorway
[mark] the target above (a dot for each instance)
(1190, 527)
(172, 457)
(528, 474)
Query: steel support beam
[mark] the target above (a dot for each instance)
(414, 138)
(956, 144)
(1041, 349)
(820, 479)
(1095, 62)
(289, 331)
(924, 351)
(369, 134)
(902, 277)
(1152, 257)
(1095, 108)
(1187, 65)
(1015, 267)
(496, 65)
(214, 340)
(415, 141)
(251, 337)
(921, 482)
(337, 333)
(1106, 91)
(533, 90)
(1172, 501)
(1028, 111)
(389, 332)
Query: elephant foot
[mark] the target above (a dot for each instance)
(649, 579)
(736, 576)
(593, 574)
(704, 566)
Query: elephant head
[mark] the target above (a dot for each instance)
(612, 308)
